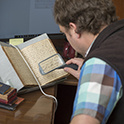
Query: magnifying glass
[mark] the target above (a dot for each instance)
(52, 63)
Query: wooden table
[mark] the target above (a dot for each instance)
(35, 109)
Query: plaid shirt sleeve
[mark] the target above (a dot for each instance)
(98, 91)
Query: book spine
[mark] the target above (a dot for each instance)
(9, 94)
(10, 101)
(6, 91)
(13, 106)
(13, 100)
(7, 107)
(12, 92)
(4, 88)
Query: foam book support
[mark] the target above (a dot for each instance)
(19, 64)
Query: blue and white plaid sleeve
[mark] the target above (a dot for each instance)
(98, 91)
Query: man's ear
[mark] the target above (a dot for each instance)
(74, 28)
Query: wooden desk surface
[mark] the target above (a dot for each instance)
(35, 109)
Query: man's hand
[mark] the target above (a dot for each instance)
(75, 73)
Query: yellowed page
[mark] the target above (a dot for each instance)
(8, 74)
(19, 65)
(37, 52)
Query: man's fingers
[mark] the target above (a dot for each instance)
(72, 72)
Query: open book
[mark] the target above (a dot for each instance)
(19, 65)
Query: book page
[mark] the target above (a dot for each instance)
(50, 64)
(19, 65)
(38, 51)
(32, 41)
(7, 72)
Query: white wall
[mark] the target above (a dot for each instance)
(22, 17)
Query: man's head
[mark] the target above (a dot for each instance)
(88, 15)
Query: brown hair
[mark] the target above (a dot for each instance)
(88, 15)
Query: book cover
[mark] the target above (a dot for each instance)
(8, 95)
(4, 88)
(11, 100)
(23, 62)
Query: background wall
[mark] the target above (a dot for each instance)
(22, 17)
(119, 8)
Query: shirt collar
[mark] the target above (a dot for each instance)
(89, 49)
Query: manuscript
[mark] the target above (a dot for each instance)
(20, 63)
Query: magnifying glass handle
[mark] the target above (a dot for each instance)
(73, 66)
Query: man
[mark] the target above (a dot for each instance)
(92, 28)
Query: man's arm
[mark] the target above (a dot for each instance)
(84, 119)
(97, 93)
